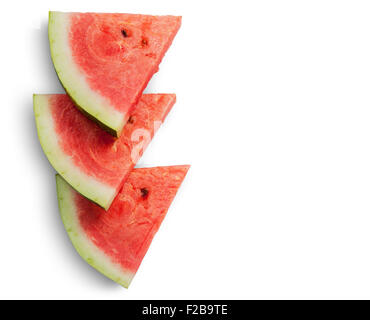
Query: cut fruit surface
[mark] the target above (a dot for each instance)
(104, 61)
(115, 241)
(92, 161)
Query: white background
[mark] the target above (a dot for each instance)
(273, 113)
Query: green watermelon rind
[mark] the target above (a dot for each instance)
(89, 101)
(83, 245)
(89, 187)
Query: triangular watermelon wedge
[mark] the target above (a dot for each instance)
(115, 241)
(91, 160)
(104, 61)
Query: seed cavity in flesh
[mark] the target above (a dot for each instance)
(144, 42)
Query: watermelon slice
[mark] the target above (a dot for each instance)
(104, 61)
(94, 162)
(115, 241)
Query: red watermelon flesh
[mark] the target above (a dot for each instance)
(91, 160)
(105, 60)
(115, 241)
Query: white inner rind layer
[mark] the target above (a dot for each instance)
(88, 186)
(73, 80)
(84, 246)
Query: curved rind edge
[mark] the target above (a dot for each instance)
(85, 248)
(89, 187)
(94, 105)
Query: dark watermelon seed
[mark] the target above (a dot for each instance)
(130, 120)
(144, 193)
(124, 33)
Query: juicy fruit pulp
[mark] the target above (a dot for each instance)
(104, 61)
(91, 160)
(115, 241)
